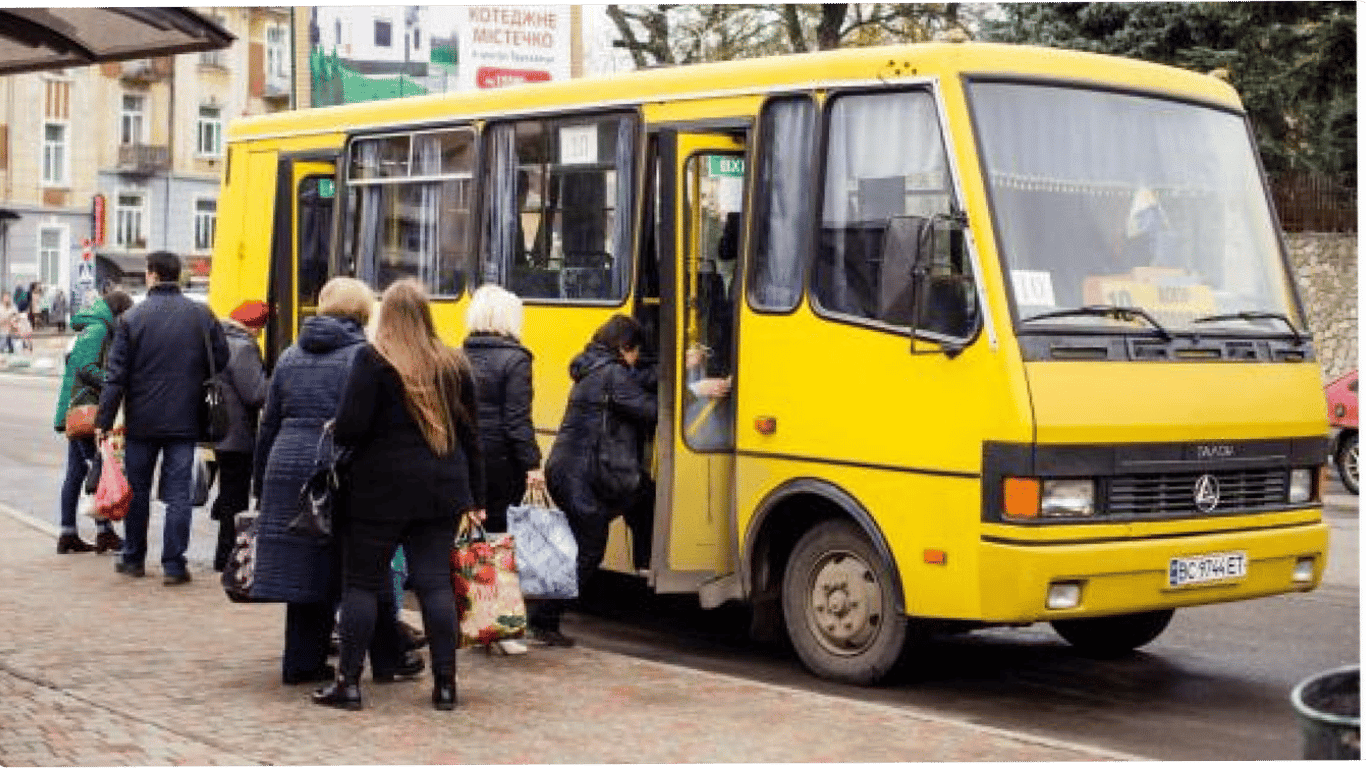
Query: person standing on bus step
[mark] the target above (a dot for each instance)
(96, 327)
(157, 368)
(409, 413)
(301, 571)
(604, 376)
(502, 371)
(245, 392)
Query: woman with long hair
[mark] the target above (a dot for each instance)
(408, 413)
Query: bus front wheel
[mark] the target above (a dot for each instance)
(1111, 636)
(839, 604)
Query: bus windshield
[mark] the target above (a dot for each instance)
(1122, 200)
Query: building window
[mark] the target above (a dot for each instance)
(130, 221)
(417, 39)
(210, 131)
(336, 27)
(276, 52)
(205, 224)
(50, 240)
(383, 30)
(132, 120)
(56, 154)
(215, 58)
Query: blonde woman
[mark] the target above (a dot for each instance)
(301, 571)
(409, 413)
(502, 370)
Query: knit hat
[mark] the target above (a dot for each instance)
(252, 314)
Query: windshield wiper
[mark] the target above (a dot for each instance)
(1123, 314)
(1294, 332)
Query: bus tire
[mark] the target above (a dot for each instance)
(1346, 459)
(839, 605)
(1112, 636)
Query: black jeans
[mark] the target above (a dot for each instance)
(367, 549)
(591, 533)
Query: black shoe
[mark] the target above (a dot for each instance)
(413, 638)
(176, 579)
(70, 543)
(320, 675)
(341, 694)
(443, 693)
(107, 541)
(411, 665)
(552, 637)
(129, 569)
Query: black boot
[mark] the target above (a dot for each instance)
(443, 692)
(409, 665)
(341, 694)
(69, 543)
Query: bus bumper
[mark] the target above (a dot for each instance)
(1129, 576)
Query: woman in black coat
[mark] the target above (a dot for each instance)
(299, 570)
(409, 413)
(502, 372)
(604, 376)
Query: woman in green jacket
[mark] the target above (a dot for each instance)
(96, 327)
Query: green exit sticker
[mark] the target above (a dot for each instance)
(326, 188)
(725, 165)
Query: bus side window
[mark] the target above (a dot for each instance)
(787, 134)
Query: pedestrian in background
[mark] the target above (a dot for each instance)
(245, 392)
(8, 316)
(44, 307)
(502, 372)
(301, 571)
(410, 416)
(85, 367)
(159, 379)
(35, 305)
(59, 310)
(605, 377)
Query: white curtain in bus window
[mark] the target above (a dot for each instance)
(785, 197)
(409, 209)
(556, 189)
(1116, 198)
(885, 160)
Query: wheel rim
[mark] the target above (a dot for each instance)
(844, 608)
(1349, 462)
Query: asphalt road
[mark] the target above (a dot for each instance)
(1214, 686)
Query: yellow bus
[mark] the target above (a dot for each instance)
(1011, 333)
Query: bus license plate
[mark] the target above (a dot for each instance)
(1184, 571)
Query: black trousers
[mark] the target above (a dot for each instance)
(591, 530)
(367, 549)
(504, 485)
(234, 491)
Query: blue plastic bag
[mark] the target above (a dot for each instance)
(546, 550)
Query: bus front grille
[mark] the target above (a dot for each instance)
(1175, 493)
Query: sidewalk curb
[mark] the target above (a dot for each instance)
(1085, 752)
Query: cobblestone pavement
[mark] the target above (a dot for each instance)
(101, 669)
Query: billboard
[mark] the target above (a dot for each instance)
(509, 45)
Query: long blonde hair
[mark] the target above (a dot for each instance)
(406, 337)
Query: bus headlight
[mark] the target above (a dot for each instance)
(1301, 485)
(1068, 498)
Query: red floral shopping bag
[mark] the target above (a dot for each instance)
(488, 594)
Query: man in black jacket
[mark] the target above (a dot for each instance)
(156, 371)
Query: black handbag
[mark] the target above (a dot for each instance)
(319, 497)
(616, 467)
(213, 405)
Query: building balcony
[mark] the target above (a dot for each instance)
(143, 159)
(142, 71)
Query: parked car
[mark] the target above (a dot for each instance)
(1342, 416)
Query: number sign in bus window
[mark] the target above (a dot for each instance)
(886, 167)
(408, 209)
(787, 136)
(559, 202)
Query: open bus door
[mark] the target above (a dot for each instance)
(301, 246)
(701, 195)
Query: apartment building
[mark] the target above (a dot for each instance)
(126, 158)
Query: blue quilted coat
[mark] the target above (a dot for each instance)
(304, 391)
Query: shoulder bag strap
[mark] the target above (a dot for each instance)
(208, 347)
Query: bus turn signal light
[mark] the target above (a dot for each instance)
(766, 425)
(936, 557)
(1022, 497)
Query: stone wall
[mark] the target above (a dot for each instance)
(1326, 267)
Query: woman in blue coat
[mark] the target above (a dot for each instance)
(302, 571)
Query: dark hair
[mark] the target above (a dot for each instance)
(118, 301)
(165, 264)
(620, 332)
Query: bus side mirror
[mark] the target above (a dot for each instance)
(941, 298)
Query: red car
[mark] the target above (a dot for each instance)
(1342, 416)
